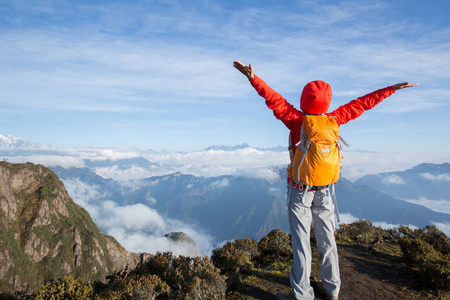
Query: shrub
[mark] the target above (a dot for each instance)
(433, 267)
(275, 246)
(135, 287)
(435, 237)
(428, 251)
(188, 278)
(400, 232)
(66, 288)
(236, 258)
(416, 250)
(361, 231)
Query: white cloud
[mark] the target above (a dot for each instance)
(81, 193)
(142, 242)
(385, 225)
(151, 200)
(358, 164)
(220, 183)
(134, 172)
(247, 162)
(393, 179)
(137, 227)
(347, 218)
(119, 61)
(260, 173)
(136, 217)
(441, 205)
(114, 154)
(277, 192)
(439, 177)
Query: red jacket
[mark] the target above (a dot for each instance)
(315, 99)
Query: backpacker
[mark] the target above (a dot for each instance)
(317, 160)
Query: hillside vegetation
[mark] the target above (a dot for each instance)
(398, 263)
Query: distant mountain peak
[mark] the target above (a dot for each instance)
(430, 167)
(228, 148)
(11, 141)
(279, 148)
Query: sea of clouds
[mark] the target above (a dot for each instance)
(209, 163)
(139, 228)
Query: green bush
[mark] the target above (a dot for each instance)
(427, 251)
(417, 250)
(66, 288)
(235, 259)
(361, 231)
(188, 278)
(237, 256)
(435, 237)
(135, 287)
(400, 232)
(275, 246)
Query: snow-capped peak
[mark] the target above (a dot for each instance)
(17, 142)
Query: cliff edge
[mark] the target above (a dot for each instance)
(45, 235)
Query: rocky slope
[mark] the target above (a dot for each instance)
(45, 235)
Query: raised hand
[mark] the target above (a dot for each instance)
(246, 70)
(403, 85)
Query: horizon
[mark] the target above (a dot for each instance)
(159, 75)
(211, 161)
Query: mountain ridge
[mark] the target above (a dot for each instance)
(425, 180)
(278, 148)
(11, 141)
(45, 235)
(248, 207)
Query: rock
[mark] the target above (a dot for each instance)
(45, 235)
(186, 242)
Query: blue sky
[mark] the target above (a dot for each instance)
(158, 74)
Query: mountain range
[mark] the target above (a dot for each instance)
(247, 204)
(429, 181)
(10, 141)
(229, 207)
(244, 146)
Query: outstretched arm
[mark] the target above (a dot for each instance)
(355, 108)
(403, 85)
(282, 110)
(246, 70)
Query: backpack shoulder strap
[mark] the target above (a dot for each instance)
(291, 148)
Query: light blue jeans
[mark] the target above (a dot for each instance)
(303, 209)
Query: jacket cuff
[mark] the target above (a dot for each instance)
(391, 89)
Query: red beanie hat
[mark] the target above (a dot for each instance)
(316, 97)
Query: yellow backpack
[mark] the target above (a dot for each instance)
(317, 160)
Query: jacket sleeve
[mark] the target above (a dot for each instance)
(355, 108)
(282, 109)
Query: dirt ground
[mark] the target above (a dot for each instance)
(365, 273)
